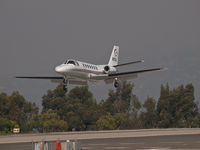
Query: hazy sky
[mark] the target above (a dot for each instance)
(36, 35)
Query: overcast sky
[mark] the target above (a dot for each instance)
(36, 35)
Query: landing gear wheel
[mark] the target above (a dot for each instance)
(65, 88)
(116, 84)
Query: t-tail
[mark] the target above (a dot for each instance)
(114, 56)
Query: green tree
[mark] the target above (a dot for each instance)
(135, 107)
(82, 111)
(119, 101)
(120, 119)
(49, 122)
(106, 122)
(54, 99)
(6, 125)
(4, 104)
(177, 108)
(149, 117)
(133, 120)
(187, 109)
(111, 122)
(78, 107)
(16, 108)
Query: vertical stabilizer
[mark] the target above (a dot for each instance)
(114, 56)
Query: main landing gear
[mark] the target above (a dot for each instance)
(116, 83)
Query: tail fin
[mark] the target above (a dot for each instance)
(114, 56)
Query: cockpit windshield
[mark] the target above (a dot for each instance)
(73, 62)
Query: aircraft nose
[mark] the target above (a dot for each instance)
(59, 69)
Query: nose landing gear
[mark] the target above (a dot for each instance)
(65, 82)
(116, 83)
(65, 88)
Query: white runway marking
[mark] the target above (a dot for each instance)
(173, 142)
(130, 143)
(87, 148)
(154, 148)
(115, 147)
(99, 144)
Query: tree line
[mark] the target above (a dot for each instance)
(78, 110)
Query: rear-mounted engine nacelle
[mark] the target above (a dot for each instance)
(109, 69)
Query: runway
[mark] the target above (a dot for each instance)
(178, 142)
(149, 139)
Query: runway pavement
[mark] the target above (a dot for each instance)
(168, 142)
(149, 139)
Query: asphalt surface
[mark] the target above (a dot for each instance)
(149, 139)
(174, 142)
(180, 142)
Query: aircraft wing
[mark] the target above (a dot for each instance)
(39, 77)
(133, 73)
(58, 79)
(126, 75)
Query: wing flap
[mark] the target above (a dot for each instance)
(77, 82)
(99, 77)
(135, 73)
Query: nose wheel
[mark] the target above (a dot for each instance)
(65, 88)
(116, 83)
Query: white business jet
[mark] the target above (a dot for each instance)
(80, 73)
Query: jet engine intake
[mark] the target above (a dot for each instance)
(106, 69)
(109, 69)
